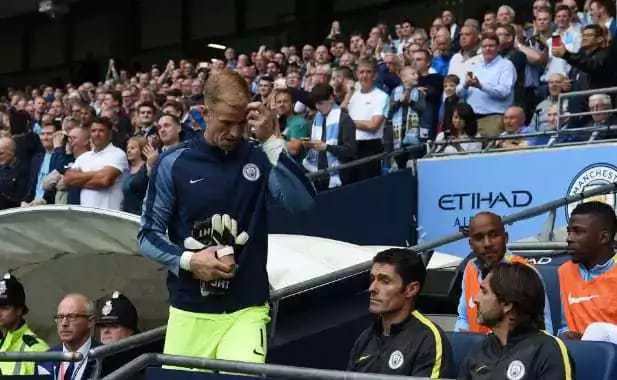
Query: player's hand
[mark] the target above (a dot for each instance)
(261, 121)
(205, 266)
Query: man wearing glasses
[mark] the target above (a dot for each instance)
(74, 321)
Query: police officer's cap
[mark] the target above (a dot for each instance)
(118, 310)
(12, 292)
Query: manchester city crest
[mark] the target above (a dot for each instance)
(589, 178)
(516, 370)
(251, 172)
(396, 360)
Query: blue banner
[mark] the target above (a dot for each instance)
(453, 189)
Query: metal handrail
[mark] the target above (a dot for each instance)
(549, 144)
(48, 356)
(101, 352)
(563, 131)
(538, 246)
(229, 366)
(367, 159)
(573, 94)
(365, 266)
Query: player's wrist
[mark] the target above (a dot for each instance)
(185, 260)
(224, 251)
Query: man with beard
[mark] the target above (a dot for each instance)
(588, 281)
(510, 303)
(402, 341)
(487, 239)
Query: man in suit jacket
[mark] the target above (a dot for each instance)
(41, 165)
(75, 321)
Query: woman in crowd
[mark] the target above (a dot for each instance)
(135, 183)
(464, 127)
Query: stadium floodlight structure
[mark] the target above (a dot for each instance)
(53, 8)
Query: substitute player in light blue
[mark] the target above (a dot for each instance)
(218, 295)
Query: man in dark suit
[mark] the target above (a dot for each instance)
(75, 321)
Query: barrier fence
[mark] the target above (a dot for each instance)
(228, 366)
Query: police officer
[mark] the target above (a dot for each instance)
(511, 304)
(402, 341)
(117, 319)
(224, 183)
(17, 335)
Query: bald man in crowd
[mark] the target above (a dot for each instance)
(75, 321)
(514, 124)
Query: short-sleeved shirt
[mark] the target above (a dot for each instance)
(111, 197)
(296, 127)
(363, 106)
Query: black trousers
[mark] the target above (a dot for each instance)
(370, 169)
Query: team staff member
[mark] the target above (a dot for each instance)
(17, 335)
(588, 281)
(511, 303)
(487, 239)
(220, 173)
(402, 341)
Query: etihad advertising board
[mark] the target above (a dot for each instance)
(452, 189)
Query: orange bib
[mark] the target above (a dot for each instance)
(472, 288)
(585, 302)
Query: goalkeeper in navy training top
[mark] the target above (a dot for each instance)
(205, 219)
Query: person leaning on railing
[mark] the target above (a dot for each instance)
(464, 126)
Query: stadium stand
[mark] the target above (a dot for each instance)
(480, 85)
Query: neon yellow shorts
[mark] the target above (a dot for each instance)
(237, 336)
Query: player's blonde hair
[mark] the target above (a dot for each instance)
(227, 87)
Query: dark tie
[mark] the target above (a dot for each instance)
(69, 371)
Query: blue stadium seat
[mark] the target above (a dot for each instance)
(462, 344)
(547, 266)
(551, 281)
(593, 360)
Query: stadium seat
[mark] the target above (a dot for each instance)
(548, 271)
(462, 344)
(593, 360)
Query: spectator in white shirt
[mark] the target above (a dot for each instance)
(469, 40)
(368, 108)
(98, 172)
(489, 86)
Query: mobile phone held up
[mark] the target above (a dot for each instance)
(556, 40)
